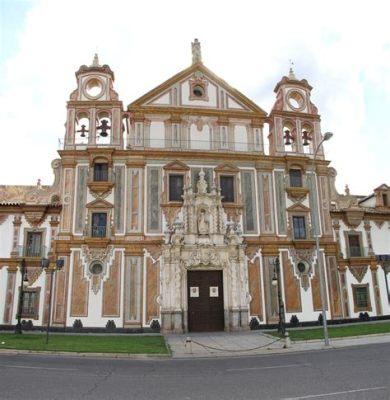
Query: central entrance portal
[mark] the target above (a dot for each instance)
(205, 301)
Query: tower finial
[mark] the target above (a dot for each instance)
(196, 52)
(291, 74)
(95, 62)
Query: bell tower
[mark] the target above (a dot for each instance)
(94, 112)
(294, 121)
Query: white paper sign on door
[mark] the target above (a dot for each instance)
(214, 291)
(194, 291)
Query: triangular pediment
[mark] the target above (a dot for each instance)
(176, 166)
(382, 187)
(197, 87)
(227, 168)
(298, 207)
(99, 203)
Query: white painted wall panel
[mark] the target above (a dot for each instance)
(200, 139)
(241, 138)
(157, 134)
(6, 235)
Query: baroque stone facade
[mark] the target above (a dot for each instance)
(173, 211)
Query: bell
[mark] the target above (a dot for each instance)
(83, 131)
(103, 127)
(305, 138)
(287, 137)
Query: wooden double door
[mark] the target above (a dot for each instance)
(205, 301)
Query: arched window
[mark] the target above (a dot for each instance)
(289, 136)
(103, 128)
(307, 138)
(82, 128)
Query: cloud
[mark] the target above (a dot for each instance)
(343, 51)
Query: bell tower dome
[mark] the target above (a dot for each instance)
(94, 111)
(294, 121)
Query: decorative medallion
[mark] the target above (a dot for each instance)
(96, 262)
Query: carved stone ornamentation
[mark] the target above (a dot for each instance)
(204, 256)
(154, 251)
(203, 238)
(33, 274)
(358, 271)
(103, 256)
(170, 212)
(297, 194)
(353, 217)
(303, 259)
(35, 218)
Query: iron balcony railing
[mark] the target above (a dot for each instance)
(98, 231)
(32, 251)
(359, 252)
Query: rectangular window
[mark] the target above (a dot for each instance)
(99, 224)
(227, 188)
(361, 298)
(139, 135)
(224, 141)
(176, 185)
(384, 198)
(354, 246)
(295, 178)
(299, 227)
(34, 244)
(175, 133)
(30, 306)
(257, 139)
(100, 172)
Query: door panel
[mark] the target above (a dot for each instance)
(205, 301)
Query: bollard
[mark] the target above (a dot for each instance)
(188, 345)
(287, 342)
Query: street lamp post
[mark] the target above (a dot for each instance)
(45, 265)
(276, 281)
(316, 229)
(24, 282)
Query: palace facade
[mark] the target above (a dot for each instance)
(173, 213)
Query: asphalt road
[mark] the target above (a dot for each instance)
(349, 373)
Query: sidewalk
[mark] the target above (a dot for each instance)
(228, 344)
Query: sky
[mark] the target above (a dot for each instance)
(341, 48)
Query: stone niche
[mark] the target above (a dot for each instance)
(203, 239)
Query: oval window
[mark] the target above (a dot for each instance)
(96, 268)
(198, 91)
(302, 268)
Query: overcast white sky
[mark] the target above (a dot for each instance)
(341, 48)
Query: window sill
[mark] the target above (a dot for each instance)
(100, 187)
(297, 193)
(97, 241)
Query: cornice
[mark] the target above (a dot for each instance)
(95, 104)
(185, 111)
(22, 208)
(293, 114)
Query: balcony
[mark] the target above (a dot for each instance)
(355, 252)
(32, 251)
(98, 231)
(100, 181)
